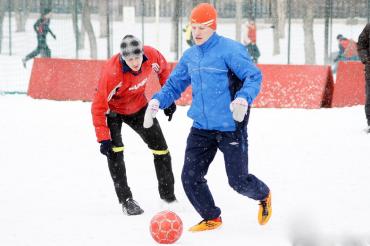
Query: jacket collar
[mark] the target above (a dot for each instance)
(126, 68)
(210, 42)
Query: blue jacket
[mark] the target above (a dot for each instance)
(219, 70)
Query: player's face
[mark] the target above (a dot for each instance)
(134, 62)
(47, 16)
(201, 33)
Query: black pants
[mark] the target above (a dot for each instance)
(155, 140)
(367, 95)
(201, 149)
(42, 48)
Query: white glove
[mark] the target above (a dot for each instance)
(150, 113)
(239, 108)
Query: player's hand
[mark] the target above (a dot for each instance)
(239, 108)
(106, 147)
(150, 113)
(170, 111)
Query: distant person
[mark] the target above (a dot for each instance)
(347, 51)
(250, 40)
(363, 47)
(41, 28)
(225, 82)
(120, 98)
(188, 35)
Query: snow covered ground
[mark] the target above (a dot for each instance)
(56, 188)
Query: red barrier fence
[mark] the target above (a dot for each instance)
(64, 79)
(349, 87)
(284, 86)
(295, 86)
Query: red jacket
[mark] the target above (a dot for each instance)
(122, 90)
(252, 33)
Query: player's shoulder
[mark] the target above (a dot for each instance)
(150, 51)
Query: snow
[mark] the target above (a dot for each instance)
(55, 186)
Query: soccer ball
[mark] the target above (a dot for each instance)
(166, 227)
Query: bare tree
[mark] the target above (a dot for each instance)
(309, 43)
(275, 24)
(238, 20)
(175, 27)
(79, 33)
(281, 9)
(86, 20)
(21, 14)
(103, 12)
(3, 5)
(117, 9)
(196, 2)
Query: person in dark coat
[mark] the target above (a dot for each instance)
(363, 47)
(41, 28)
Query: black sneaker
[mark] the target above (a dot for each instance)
(131, 207)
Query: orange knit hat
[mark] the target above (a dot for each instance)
(204, 13)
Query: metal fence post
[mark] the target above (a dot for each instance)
(368, 11)
(109, 33)
(75, 9)
(10, 26)
(289, 26)
(326, 31)
(142, 20)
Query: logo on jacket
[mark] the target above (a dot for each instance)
(156, 67)
(137, 86)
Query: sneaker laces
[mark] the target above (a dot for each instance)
(208, 223)
(263, 203)
(131, 202)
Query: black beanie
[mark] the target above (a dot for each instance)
(45, 11)
(131, 46)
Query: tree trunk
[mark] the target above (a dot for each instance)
(3, 5)
(103, 12)
(21, 14)
(117, 7)
(196, 2)
(86, 19)
(238, 20)
(175, 28)
(250, 9)
(79, 34)
(45, 4)
(275, 23)
(281, 8)
(309, 43)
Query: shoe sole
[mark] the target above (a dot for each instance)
(128, 214)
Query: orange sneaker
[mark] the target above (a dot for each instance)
(265, 210)
(205, 225)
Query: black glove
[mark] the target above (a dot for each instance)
(170, 111)
(364, 60)
(106, 147)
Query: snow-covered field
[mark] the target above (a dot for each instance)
(56, 188)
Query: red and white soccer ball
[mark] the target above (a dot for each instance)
(166, 227)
